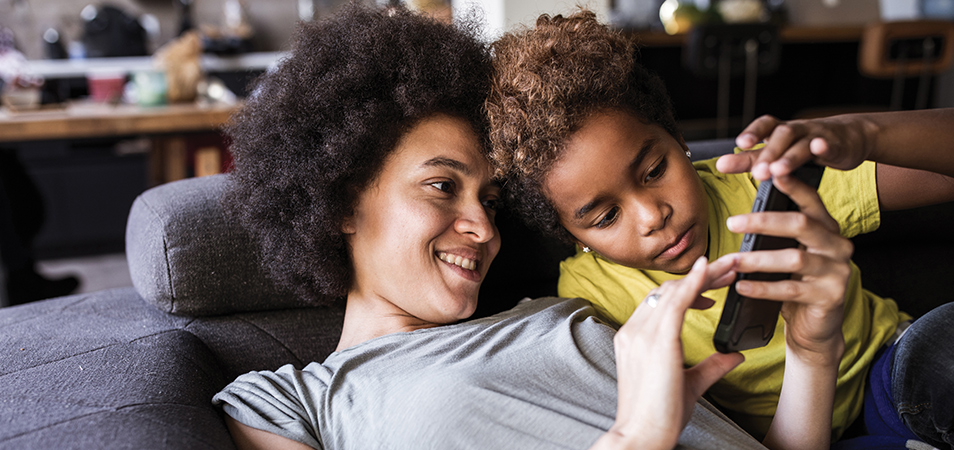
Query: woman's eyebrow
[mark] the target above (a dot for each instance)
(452, 164)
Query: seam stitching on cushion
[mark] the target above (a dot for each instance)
(82, 298)
(165, 256)
(113, 344)
(172, 291)
(278, 341)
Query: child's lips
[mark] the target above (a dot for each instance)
(677, 248)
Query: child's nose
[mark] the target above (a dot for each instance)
(651, 215)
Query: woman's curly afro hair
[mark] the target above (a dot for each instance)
(316, 131)
(547, 81)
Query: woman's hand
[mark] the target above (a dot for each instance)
(656, 393)
(813, 310)
(842, 142)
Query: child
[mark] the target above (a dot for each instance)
(589, 141)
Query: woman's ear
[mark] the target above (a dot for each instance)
(347, 225)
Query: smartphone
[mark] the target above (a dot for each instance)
(748, 323)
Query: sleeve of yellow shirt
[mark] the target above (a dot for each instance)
(852, 198)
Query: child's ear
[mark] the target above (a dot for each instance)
(682, 142)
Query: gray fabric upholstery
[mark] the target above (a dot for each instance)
(187, 257)
(114, 369)
(106, 370)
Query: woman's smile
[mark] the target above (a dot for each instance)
(463, 266)
(459, 261)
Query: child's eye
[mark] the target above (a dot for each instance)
(609, 218)
(444, 186)
(657, 171)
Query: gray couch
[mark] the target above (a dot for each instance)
(137, 367)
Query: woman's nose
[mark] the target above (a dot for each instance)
(476, 222)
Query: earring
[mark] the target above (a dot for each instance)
(586, 249)
(688, 154)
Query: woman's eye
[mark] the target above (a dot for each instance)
(657, 171)
(491, 203)
(609, 218)
(444, 186)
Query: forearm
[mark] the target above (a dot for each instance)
(901, 188)
(804, 414)
(915, 155)
(921, 139)
(248, 438)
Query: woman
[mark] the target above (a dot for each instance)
(362, 170)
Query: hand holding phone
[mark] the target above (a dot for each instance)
(746, 322)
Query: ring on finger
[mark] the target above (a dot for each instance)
(652, 300)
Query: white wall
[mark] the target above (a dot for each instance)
(503, 15)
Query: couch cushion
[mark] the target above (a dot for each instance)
(186, 256)
(84, 372)
(107, 370)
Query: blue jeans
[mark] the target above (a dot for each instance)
(922, 377)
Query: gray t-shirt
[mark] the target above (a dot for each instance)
(540, 376)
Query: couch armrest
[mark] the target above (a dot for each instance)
(187, 256)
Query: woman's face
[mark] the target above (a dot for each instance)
(422, 235)
(628, 191)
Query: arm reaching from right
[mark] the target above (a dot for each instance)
(912, 139)
(912, 148)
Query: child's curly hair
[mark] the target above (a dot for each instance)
(316, 131)
(547, 81)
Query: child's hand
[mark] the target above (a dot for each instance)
(814, 297)
(656, 393)
(840, 142)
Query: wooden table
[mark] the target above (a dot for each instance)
(165, 125)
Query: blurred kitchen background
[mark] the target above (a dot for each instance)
(102, 100)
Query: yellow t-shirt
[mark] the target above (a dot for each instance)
(750, 392)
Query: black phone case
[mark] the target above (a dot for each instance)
(748, 323)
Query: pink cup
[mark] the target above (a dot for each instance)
(106, 87)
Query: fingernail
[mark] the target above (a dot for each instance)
(761, 171)
(700, 263)
(742, 287)
(733, 223)
(780, 166)
(745, 140)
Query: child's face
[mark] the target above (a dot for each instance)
(627, 190)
